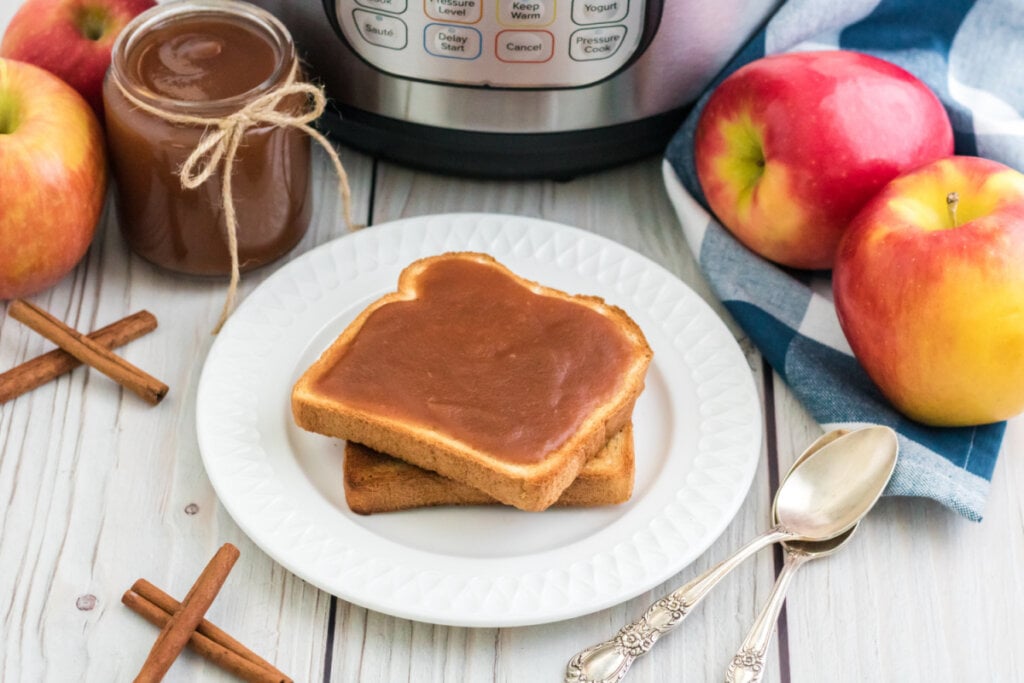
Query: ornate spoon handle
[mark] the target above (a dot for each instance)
(609, 661)
(747, 665)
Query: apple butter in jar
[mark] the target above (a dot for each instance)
(179, 71)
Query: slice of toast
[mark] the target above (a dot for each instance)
(487, 378)
(375, 482)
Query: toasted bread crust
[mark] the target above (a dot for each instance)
(529, 486)
(375, 482)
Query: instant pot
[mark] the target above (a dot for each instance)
(514, 88)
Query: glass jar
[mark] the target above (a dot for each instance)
(206, 59)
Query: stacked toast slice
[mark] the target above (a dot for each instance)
(375, 482)
(484, 381)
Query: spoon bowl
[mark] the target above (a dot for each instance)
(829, 491)
(815, 549)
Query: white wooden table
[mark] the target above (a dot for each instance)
(97, 489)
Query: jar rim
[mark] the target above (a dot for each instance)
(168, 12)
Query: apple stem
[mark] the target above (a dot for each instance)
(952, 200)
(9, 117)
(92, 22)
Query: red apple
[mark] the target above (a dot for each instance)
(52, 178)
(790, 147)
(932, 299)
(71, 38)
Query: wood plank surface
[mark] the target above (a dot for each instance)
(97, 489)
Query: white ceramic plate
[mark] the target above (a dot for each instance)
(697, 431)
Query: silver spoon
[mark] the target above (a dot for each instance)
(826, 495)
(748, 665)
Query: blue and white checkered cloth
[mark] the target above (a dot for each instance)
(971, 54)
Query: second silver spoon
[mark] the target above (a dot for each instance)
(748, 665)
(822, 498)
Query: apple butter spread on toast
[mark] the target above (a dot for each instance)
(486, 378)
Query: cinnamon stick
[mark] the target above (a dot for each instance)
(88, 351)
(167, 604)
(42, 369)
(224, 657)
(179, 627)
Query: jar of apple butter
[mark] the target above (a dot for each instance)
(204, 59)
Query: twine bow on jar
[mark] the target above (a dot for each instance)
(218, 148)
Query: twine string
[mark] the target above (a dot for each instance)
(218, 149)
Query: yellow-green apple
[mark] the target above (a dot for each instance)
(52, 178)
(929, 288)
(789, 147)
(71, 38)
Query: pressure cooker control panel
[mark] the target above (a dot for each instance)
(498, 43)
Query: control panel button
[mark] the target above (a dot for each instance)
(393, 6)
(456, 42)
(599, 11)
(381, 29)
(460, 11)
(524, 46)
(528, 44)
(526, 12)
(596, 43)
